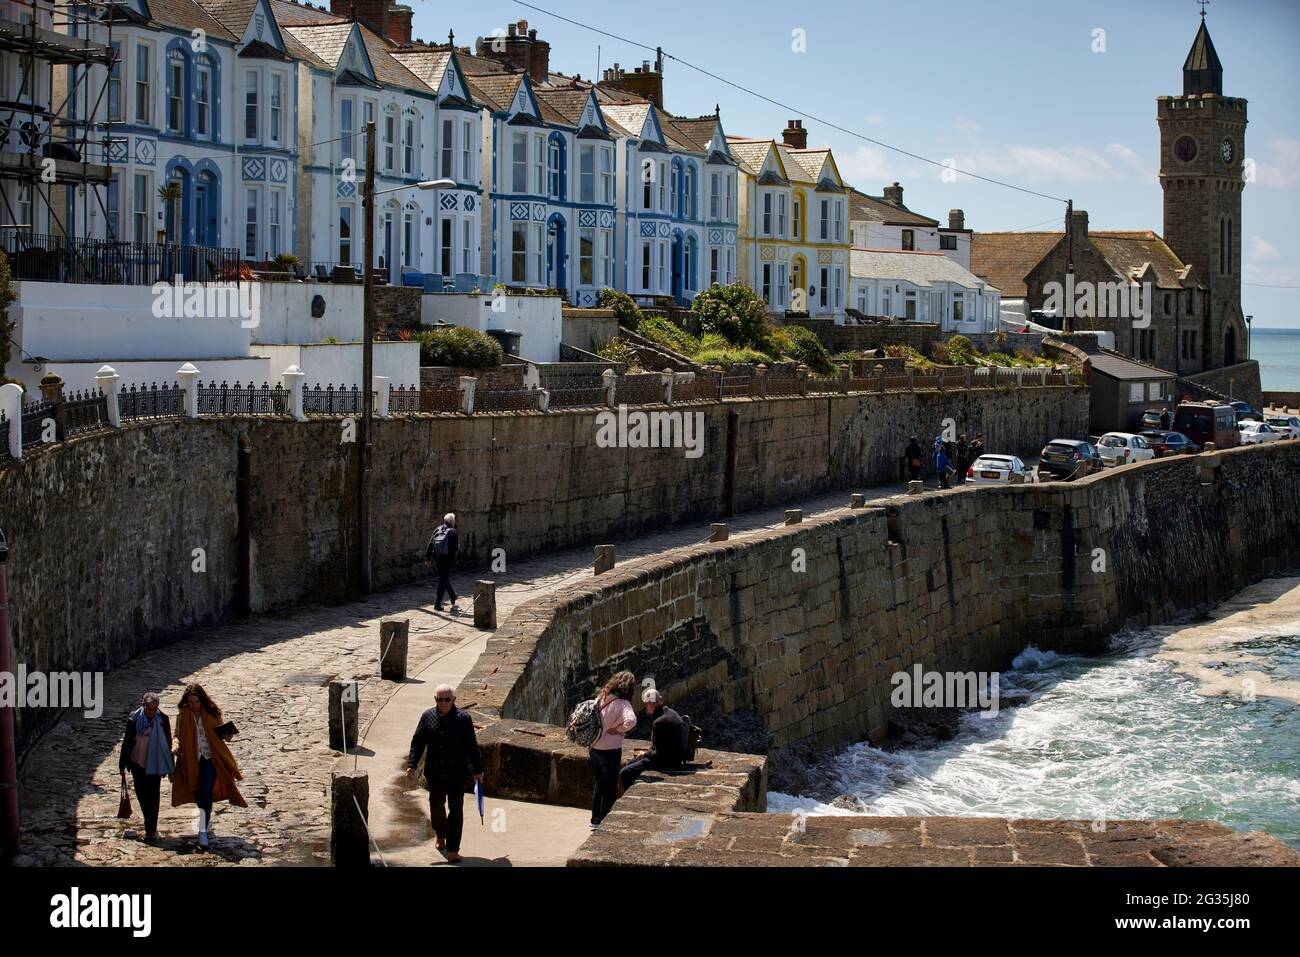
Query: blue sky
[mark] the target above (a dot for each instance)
(1010, 89)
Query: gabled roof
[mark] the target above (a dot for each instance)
(1128, 253)
(874, 209)
(389, 69)
(578, 106)
(917, 268)
(1005, 259)
(1120, 367)
(187, 15)
(752, 154)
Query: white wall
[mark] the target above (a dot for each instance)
(80, 376)
(108, 323)
(285, 312)
(340, 364)
(538, 318)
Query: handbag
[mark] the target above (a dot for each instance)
(124, 805)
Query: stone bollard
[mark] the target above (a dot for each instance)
(485, 604)
(344, 706)
(468, 385)
(11, 404)
(609, 382)
(394, 638)
(188, 377)
(292, 378)
(915, 487)
(379, 387)
(719, 532)
(349, 839)
(857, 500)
(793, 516)
(802, 373)
(544, 401)
(666, 380)
(604, 559)
(108, 381)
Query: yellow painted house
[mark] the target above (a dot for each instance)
(793, 245)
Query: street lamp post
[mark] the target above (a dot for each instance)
(368, 352)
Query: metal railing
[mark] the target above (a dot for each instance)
(240, 399)
(409, 400)
(331, 400)
(151, 401)
(46, 258)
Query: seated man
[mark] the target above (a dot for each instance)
(667, 740)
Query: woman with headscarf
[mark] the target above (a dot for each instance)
(147, 753)
(617, 718)
(205, 769)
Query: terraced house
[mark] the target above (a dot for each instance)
(794, 236)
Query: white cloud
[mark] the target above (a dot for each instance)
(869, 168)
(1055, 164)
(1261, 248)
(1281, 170)
(963, 125)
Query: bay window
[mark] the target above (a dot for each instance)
(175, 91)
(586, 173)
(273, 221)
(345, 234)
(140, 203)
(606, 175)
(586, 256)
(143, 95)
(447, 170)
(251, 203)
(277, 108)
(390, 149)
(519, 163)
(445, 250)
(539, 249)
(408, 148)
(345, 132)
(251, 125)
(466, 156)
(202, 99)
(519, 253)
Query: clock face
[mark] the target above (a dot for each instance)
(1226, 151)
(1185, 149)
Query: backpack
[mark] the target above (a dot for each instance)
(441, 546)
(691, 734)
(585, 726)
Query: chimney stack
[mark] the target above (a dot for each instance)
(523, 50)
(894, 195)
(794, 135)
(956, 219)
(388, 19)
(644, 81)
(1079, 219)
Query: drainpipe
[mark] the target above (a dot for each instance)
(733, 430)
(244, 556)
(8, 744)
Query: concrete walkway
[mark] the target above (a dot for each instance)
(271, 676)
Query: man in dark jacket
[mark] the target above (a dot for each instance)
(442, 553)
(667, 740)
(963, 458)
(445, 736)
(913, 455)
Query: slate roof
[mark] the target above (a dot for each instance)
(1125, 369)
(1127, 252)
(749, 153)
(427, 63)
(874, 209)
(188, 14)
(1005, 259)
(696, 129)
(918, 268)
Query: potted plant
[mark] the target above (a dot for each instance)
(171, 194)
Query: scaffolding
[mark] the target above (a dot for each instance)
(57, 141)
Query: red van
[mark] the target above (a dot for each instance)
(1203, 422)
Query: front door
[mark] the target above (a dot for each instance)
(677, 270)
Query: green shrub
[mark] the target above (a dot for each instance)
(779, 344)
(961, 352)
(627, 311)
(618, 350)
(729, 357)
(668, 333)
(734, 312)
(460, 347)
(809, 350)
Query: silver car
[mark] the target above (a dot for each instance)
(997, 470)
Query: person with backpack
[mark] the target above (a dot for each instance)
(442, 553)
(445, 737)
(617, 718)
(669, 740)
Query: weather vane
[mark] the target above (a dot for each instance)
(1203, 4)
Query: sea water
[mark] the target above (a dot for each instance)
(1278, 352)
(1123, 735)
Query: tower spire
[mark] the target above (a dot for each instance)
(1202, 71)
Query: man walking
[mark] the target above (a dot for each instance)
(667, 740)
(442, 553)
(445, 736)
(941, 466)
(963, 458)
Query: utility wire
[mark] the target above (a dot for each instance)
(792, 109)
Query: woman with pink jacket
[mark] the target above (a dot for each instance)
(606, 755)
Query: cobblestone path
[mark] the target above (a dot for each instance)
(270, 676)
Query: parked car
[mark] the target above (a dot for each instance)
(1288, 425)
(1123, 448)
(1243, 410)
(1202, 422)
(1169, 443)
(997, 470)
(1151, 420)
(1255, 433)
(1065, 458)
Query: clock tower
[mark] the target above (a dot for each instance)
(1202, 139)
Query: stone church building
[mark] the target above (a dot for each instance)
(1194, 266)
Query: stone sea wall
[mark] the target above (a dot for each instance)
(954, 581)
(103, 529)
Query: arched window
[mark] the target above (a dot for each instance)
(178, 63)
(556, 172)
(410, 144)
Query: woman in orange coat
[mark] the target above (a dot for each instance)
(205, 769)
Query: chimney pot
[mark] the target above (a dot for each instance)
(794, 135)
(894, 194)
(956, 219)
